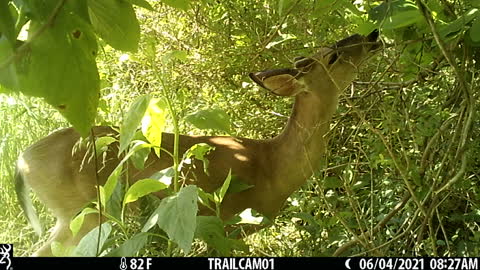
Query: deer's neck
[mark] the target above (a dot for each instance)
(301, 145)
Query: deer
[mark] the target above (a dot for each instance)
(274, 168)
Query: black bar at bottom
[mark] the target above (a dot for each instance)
(241, 263)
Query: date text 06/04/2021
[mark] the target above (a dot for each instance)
(419, 263)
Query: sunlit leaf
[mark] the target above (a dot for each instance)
(116, 23)
(142, 188)
(153, 122)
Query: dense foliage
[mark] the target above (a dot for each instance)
(401, 173)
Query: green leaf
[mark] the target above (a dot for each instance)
(88, 245)
(210, 119)
(176, 215)
(116, 23)
(165, 176)
(199, 152)
(210, 229)
(142, 188)
(475, 30)
(140, 156)
(365, 28)
(237, 185)
(284, 5)
(130, 247)
(332, 182)
(205, 198)
(102, 143)
(71, 82)
(225, 186)
(132, 120)
(107, 190)
(395, 14)
(7, 24)
(112, 179)
(178, 4)
(458, 25)
(114, 203)
(77, 222)
(8, 74)
(142, 3)
(153, 122)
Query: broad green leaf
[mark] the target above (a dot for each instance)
(153, 122)
(114, 203)
(88, 245)
(178, 4)
(71, 82)
(210, 229)
(395, 14)
(176, 215)
(142, 188)
(77, 222)
(210, 119)
(458, 25)
(59, 250)
(475, 30)
(132, 120)
(142, 3)
(365, 28)
(130, 247)
(116, 23)
(332, 182)
(107, 190)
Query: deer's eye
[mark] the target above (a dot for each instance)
(333, 58)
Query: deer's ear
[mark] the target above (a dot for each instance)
(283, 85)
(280, 82)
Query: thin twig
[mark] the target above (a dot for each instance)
(379, 226)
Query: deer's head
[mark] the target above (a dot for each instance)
(330, 70)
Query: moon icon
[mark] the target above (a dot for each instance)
(347, 263)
